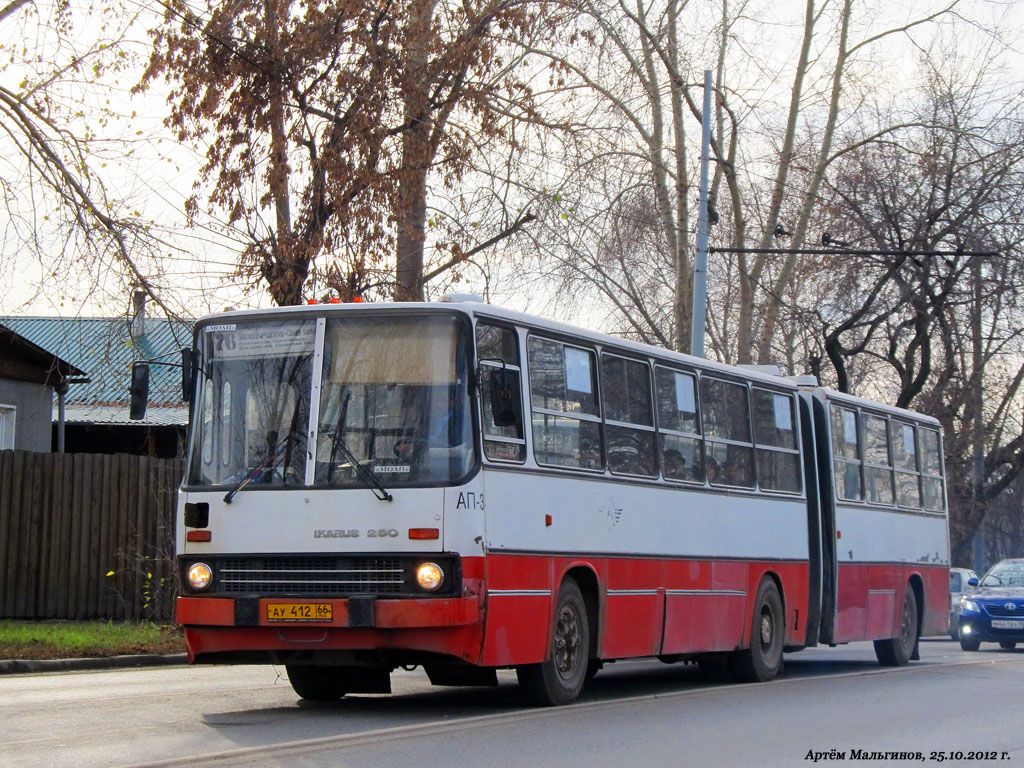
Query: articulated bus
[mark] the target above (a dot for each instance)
(468, 489)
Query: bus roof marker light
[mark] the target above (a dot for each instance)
(547, 520)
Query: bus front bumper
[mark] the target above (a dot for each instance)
(328, 613)
(261, 630)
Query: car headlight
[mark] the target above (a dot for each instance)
(429, 576)
(199, 576)
(969, 606)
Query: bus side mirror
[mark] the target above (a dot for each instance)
(188, 362)
(139, 391)
(505, 399)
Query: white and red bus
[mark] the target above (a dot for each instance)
(468, 488)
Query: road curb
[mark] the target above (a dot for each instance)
(22, 666)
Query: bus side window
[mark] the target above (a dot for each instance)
(728, 446)
(563, 401)
(846, 453)
(778, 458)
(498, 352)
(931, 470)
(626, 392)
(679, 440)
(908, 478)
(877, 463)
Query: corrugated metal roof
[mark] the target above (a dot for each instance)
(54, 369)
(104, 348)
(118, 414)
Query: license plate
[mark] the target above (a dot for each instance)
(300, 612)
(1007, 623)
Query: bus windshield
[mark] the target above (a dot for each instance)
(394, 399)
(394, 396)
(253, 413)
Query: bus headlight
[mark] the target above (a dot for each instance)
(199, 576)
(429, 576)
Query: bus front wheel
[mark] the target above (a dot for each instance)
(329, 683)
(559, 679)
(762, 661)
(896, 651)
(317, 683)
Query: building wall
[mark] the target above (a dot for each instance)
(33, 404)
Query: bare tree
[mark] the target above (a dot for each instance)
(325, 126)
(54, 112)
(637, 65)
(944, 331)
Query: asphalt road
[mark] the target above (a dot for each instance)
(633, 714)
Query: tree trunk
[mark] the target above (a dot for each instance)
(287, 274)
(416, 156)
(810, 196)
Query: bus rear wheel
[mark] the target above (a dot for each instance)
(559, 679)
(896, 651)
(763, 659)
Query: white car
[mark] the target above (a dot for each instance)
(958, 587)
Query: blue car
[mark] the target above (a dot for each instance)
(995, 612)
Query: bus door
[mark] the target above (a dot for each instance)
(815, 544)
(826, 510)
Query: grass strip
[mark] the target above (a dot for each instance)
(72, 639)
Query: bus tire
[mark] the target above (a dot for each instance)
(896, 651)
(315, 683)
(559, 679)
(762, 660)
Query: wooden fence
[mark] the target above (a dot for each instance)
(87, 536)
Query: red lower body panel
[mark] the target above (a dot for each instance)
(869, 604)
(646, 607)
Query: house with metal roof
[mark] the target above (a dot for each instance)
(97, 409)
(29, 378)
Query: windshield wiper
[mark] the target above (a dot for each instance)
(284, 447)
(368, 478)
(269, 462)
(338, 443)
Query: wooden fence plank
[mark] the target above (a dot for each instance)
(95, 520)
(7, 523)
(17, 582)
(104, 597)
(45, 540)
(74, 536)
(33, 502)
(56, 481)
(140, 536)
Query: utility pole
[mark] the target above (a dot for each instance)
(700, 261)
(977, 420)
